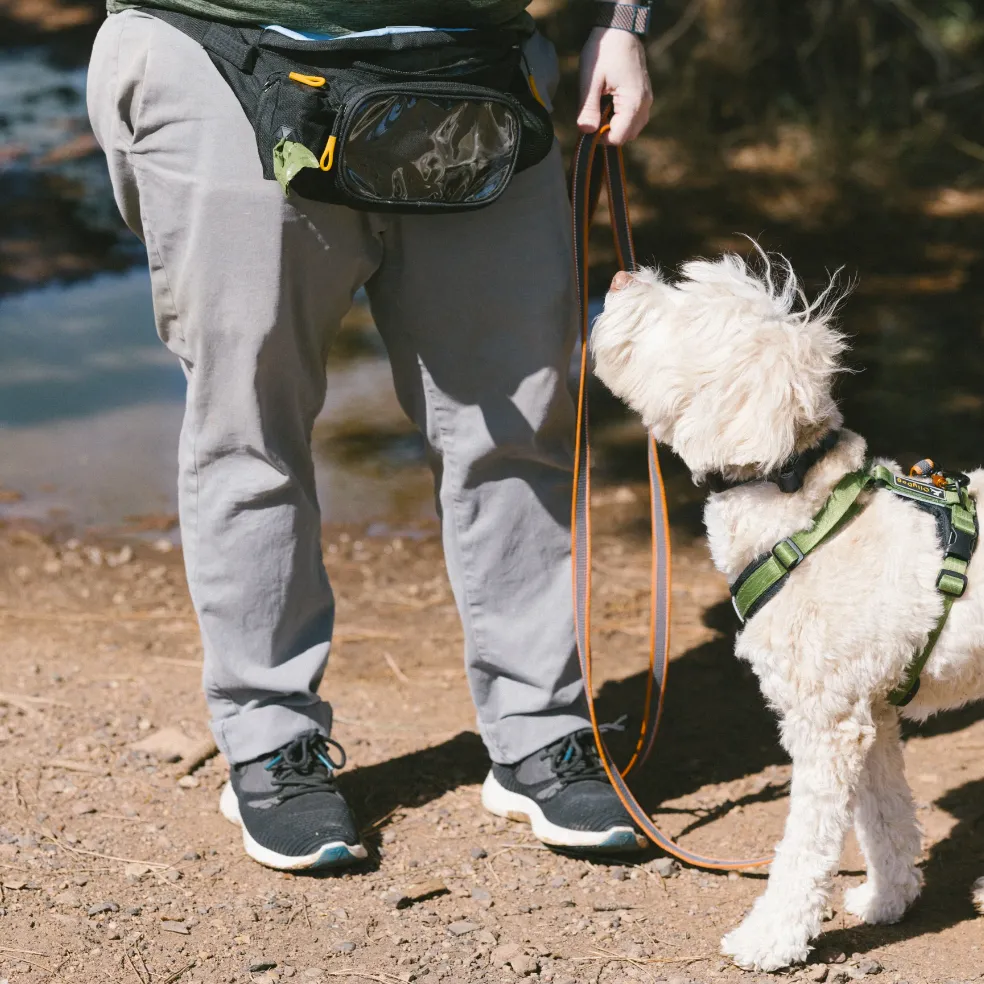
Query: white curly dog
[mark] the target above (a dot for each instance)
(733, 370)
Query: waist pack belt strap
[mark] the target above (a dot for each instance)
(582, 200)
(222, 40)
(762, 578)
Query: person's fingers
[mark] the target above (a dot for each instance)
(631, 115)
(627, 121)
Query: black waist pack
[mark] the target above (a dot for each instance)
(415, 121)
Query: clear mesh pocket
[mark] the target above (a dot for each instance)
(404, 147)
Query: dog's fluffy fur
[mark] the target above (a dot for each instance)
(733, 370)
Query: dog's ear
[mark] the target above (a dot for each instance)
(767, 384)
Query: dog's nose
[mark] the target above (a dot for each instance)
(621, 279)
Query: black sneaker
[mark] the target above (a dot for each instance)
(562, 791)
(292, 814)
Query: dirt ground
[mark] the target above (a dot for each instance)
(115, 869)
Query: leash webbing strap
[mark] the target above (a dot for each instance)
(583, 201)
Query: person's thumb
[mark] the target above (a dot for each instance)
(589, 118)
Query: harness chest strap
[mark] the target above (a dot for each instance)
(763, 578)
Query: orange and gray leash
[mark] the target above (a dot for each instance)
(586, 179)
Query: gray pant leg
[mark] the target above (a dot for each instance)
(248, 290)
(478, 313)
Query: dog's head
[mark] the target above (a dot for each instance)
(731, 368)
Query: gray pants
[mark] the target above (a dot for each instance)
(476, 311)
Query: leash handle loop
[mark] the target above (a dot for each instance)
(585, 191)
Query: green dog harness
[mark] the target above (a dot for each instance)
(943, 494)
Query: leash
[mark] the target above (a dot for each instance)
(586, 180)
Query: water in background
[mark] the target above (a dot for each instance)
(91, 404)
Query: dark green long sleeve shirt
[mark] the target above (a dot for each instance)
(333, 16)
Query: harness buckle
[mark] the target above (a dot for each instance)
(734, 605)
(951, 582)
(961, 544)
(788, 554)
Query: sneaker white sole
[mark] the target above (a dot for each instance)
(335, 854)
(514, 806)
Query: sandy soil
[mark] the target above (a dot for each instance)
(115, 869)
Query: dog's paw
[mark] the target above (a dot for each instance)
(767, 945)
(885, 905)
(977, 895)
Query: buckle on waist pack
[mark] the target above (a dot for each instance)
(788, 554)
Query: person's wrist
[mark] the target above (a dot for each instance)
(632, 18)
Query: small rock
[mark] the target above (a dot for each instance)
(504, 954)
(524, 965)
(312, 972)
(134, 871)
(836, 958)
(340, 914)
(114, 934)
(81, 809)
(68, 898)
(463, 928)
(481, 895)
(95, 910)
(261, 965)
(172, 875)
(346, 946)
(619, 874)
(665, 867)
(870, 966)
(134, 910)
(478, 853)
(191, 856)
(818, 974)
(839, 977)
(678, 979)
(426, 890)
(124, 556)
(287, 970)
(167, 744)
(389, 836)
(394, 897)
(176, 927)
(559, 882)
(189, 782)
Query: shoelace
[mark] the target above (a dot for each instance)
(576, 758)
(306, 765)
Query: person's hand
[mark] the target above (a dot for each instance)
(613, 63)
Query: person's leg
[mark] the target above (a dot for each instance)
(477, 311)
(248, 289)
(478, 314)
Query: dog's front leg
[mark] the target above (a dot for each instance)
(828, 757)
(885, 823)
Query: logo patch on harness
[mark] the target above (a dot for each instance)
(922, 488)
